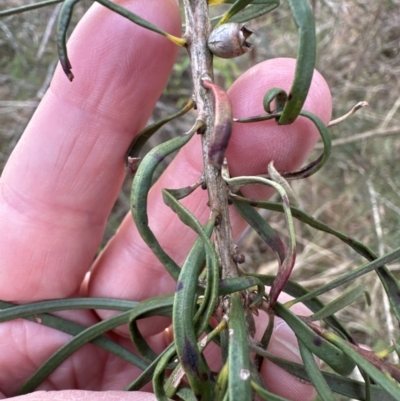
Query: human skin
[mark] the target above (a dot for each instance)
(64, 176)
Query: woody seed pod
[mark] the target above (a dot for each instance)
(229, 40)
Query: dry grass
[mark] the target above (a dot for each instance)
(358, 192)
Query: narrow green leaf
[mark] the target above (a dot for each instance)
(161, 306)
(173, 382)
(339, 384)
(312, 222)
(213, 271)
(265, 339)
(380, 378)
(74, 329)
(238, 5)
(265, 394)
(181, 193)
(186, 394)
(303, 16)
(296, 290)
(224, 341)
(159, 374)
(235, 284)
(276, 176)
(261, 117)
(254, 10)
(377, 263)
(185, 333)
(389, 282)
(392, 288)
(262, 228)
(203, 312)
(147, 375)
(239, 387)
(54, 305)
(318, 345)
(140, 140)
(221, 386)
(140, 189)
(314, 373)
(345, 299)
(302, 216)
(68, 349)
(28, 7)
(62, 27)
(286, 267)
(317, 164)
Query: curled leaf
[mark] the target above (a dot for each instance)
(140, 189)
(132, 158)
(222, 124)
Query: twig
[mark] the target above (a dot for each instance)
(198, 28)
(391, 113)
(379, 234)
(337, 121)
(47, 32)
(375, 133)
(14, 43)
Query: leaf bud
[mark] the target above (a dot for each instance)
(229, 40)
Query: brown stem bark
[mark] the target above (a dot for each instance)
(198, 29)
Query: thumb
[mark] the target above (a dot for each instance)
(81, 395)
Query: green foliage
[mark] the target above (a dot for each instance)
(201, 286)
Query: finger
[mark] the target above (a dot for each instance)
(73, 395)
(127, 268)
(27, 345)
(283, 344)
(64, 175)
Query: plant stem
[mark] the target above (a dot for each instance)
(198, 28)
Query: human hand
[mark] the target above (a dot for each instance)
(62, 180)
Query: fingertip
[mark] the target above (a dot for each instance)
(247, 92)
(107, 52)
(254, 145)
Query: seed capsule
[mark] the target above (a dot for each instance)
(229, 40)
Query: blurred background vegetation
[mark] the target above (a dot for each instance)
(358, 192)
